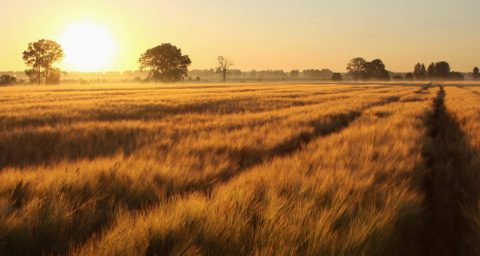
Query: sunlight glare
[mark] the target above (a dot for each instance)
(88, 46)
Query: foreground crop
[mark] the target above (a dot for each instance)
(239, 169)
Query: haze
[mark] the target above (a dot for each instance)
(259, 35)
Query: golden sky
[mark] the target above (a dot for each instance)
(257, 34)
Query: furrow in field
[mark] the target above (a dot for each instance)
(354, 190)
(38, 97)
(41, 114)
(451, 186)
(50, 144)
(153, 112)
(320, 128)
(94, 193)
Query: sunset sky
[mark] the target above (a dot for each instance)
(254, 34)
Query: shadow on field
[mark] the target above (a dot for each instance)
(249, 158)
(424, 89)
(159, 110)
(152, 112)
(23, 148)
(451, 186)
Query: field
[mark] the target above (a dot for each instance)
(240, 169)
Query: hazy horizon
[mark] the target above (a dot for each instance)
(267, 35)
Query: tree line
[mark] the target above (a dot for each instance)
(167, 63)
(360, 69)
(437, 71)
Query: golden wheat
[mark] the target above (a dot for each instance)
(275, 169)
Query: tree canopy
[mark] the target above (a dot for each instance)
(336, 77)
(165, 63)
(360, 69)
(40, 56)
(7, 79)
(356, 67)
(223, 67)
(441, 70)
(410, 76)
(376, 70)
(420, 72)
(294, 73)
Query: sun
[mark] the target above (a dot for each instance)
(88, 46)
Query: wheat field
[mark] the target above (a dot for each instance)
(240, 169)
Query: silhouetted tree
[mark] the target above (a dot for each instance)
(33, 76)
(397, 78)
(420, 72)
(359, 68)
(356, 68)
(294, 73)
(432, 71)
(456, 76)
(476, 73)
(375, 69)
(223, 67)
(165, 63)
(40, 57)
(7, 80)
(336, 77)
(442, 70)
(410, 76)
(316, 74)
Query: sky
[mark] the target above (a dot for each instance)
(255, 34)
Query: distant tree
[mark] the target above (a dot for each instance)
(356, 68)
(315, 74)
(397, 78)
(294, 74)
(442, 70)
(223, 67)
(410, 76)
(359, 68)
(32, 76)
(476, 73)
(420, 72)
(439, 70)
(337, 77)
(165, 63)
(432, 71)
(456, 76)
(375, 69)
(7, 80)
(40, 57)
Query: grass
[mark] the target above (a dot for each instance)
(272, 169)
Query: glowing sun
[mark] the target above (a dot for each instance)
(88, 46)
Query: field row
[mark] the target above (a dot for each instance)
(236, 170)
